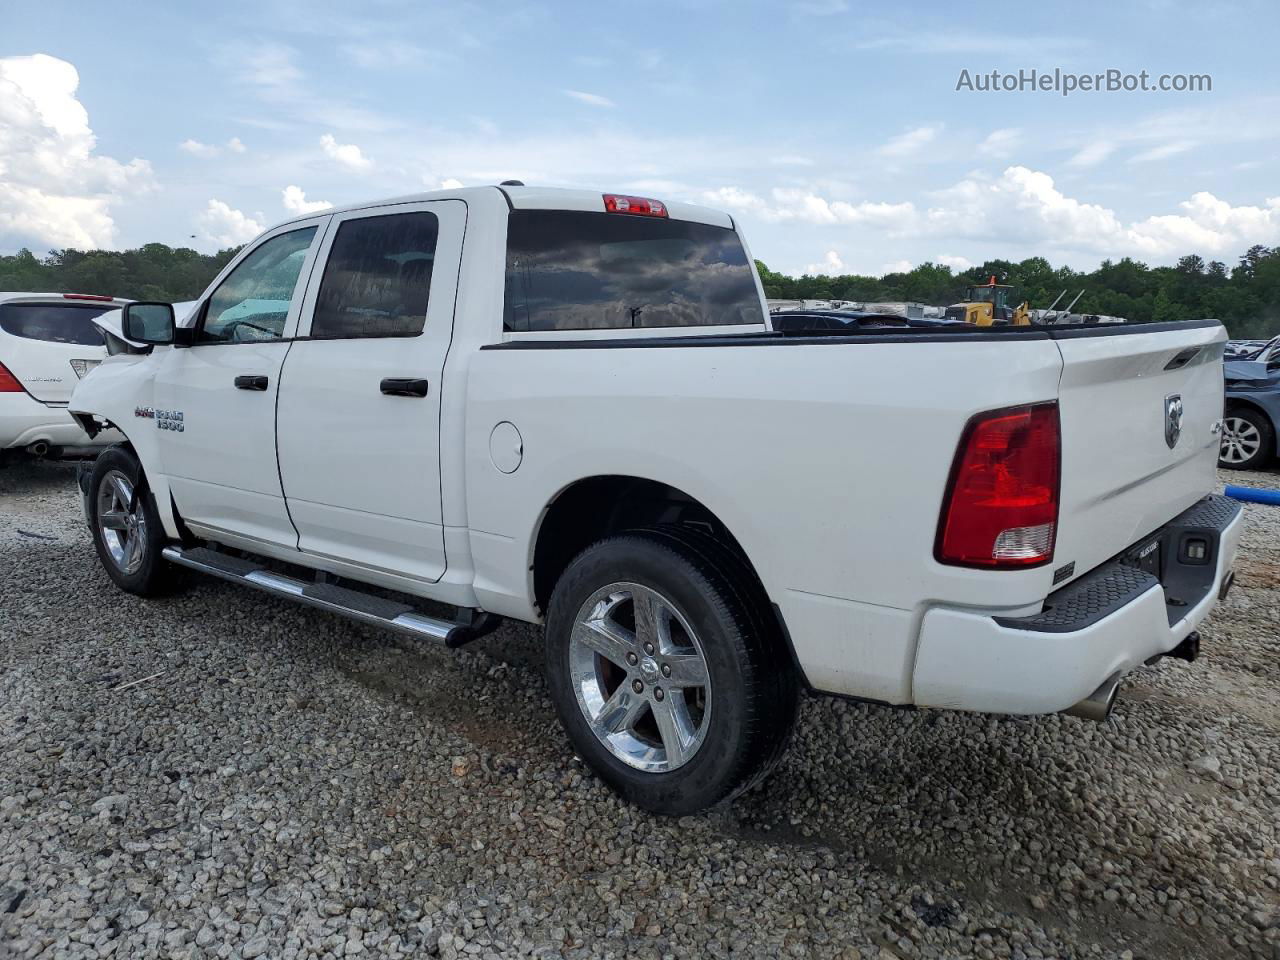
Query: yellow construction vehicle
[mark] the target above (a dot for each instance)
(991, 304)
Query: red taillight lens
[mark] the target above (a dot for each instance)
(8, 382)
(87, 296)
(636, 206)
(1001, 509)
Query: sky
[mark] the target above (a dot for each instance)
(832, 130)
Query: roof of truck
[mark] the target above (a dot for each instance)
(531, 198)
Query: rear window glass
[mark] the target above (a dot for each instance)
(378, 277)
(571, 270)
(54, 322)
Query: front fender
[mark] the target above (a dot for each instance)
(115, 392)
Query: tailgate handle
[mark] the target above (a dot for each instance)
(247, 382)
(403, 387)
(1182, 358)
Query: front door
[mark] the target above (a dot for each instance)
(359, 412)
(215, 401)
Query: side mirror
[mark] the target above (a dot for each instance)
(146, 322)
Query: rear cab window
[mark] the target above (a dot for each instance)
(579, 270)
(70, 323)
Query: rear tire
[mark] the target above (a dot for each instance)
(1248, 439)
(692, 718)
(126, 529)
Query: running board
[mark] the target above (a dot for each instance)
(362, 607)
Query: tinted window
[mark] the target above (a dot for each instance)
(568, 270)
(54, 322)
(253, 302)
(377, 279)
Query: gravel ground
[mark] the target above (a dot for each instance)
(280, 783)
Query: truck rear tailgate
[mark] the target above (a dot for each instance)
(1139, 411)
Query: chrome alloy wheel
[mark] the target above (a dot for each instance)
(121, 522)
(640, 677)
(1240, 440)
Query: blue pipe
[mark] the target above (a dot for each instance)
(1253, 495)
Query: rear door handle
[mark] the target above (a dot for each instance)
(403, 387)
(246, 382)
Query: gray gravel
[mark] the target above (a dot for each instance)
(291, 785)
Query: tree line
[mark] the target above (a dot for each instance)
(1246, 296)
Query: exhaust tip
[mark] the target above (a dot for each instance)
(1097, 705)
(39, 448)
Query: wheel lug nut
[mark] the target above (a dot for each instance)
(648, 648)
(638, 687)
(666, 669)
(632, 659)
(657, 693)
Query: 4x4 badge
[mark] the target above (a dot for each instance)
(1172, 419)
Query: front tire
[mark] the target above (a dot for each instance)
(127, 532)
(667, 678)
(1248, 439)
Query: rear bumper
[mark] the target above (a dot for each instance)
(25, 420)
(1105, 623)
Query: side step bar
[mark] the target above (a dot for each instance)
(353, 604)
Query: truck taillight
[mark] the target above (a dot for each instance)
(8, 382)
(636, 206)
(1001, 507)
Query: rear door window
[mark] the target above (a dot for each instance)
(572, 270)
(54, 322)
(378, 278)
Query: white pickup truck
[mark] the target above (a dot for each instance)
(570, 408)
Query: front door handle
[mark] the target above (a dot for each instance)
(246, 382)
(403, 387)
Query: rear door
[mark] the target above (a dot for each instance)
(215, 401)
(49, 344)
(1141, 410)
(359, 410)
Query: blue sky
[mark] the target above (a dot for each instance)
(832, 130)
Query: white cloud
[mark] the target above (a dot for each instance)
(911, 142)
(831, 266)
(732, 198)
(1027, 208)
(347, 154)
(197, 149)
(1162, 152)
(296, 202)
(593, 99)
(896, 266)
(54, 190)
(1028, 213)
(1092, 154)
(1000, 143)
(792, 203)
(450, 183)
(226, 226)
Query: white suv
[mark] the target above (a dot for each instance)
(48, 342)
